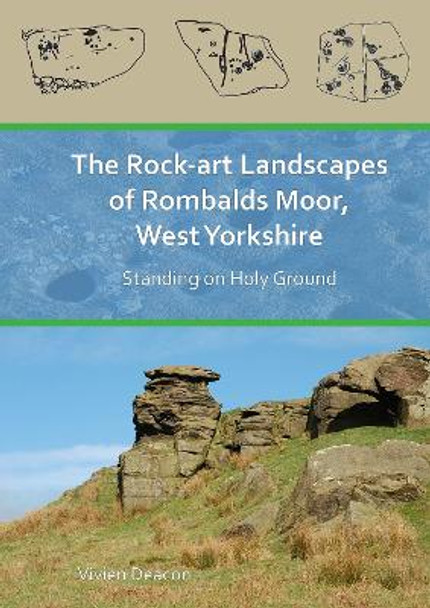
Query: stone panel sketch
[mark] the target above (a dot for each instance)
(81, 58)
(362, 61)
(235, 63)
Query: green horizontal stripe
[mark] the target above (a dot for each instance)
(307, 126)
(214, 323)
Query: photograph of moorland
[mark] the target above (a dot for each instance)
(265, 467)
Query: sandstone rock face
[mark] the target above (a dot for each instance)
(253, 430)
(255, 484)
(224, 443)
(346, 480)
(175, 419)
(179, 430)
(259, 523)
(267, 423)
(381, 390)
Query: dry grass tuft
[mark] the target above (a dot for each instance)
(221, 494)
(165, 532)
(397, 535)
(199, 482)
(212, 553)
(385, 552)
(223, 499)
(64, 518)
(241, 462)
(243, 591)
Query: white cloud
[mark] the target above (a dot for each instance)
(30, 479)
(77, 455)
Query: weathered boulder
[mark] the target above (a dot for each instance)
(255, 484)
(381, 390)
(259, 523)
(267, 423)
(336, 479)
(253, 430)
(175, 419)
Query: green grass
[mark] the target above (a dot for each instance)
(39, 557)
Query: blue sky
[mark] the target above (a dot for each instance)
(66, 393)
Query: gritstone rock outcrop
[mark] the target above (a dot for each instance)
(382, 390)
(175, 419)
(179, 427)
(179, 430)
(254, 430)
(354, 480)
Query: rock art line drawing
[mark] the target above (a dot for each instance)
(362, 61)
(235, 63)
(81, 58)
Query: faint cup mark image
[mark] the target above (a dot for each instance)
(75, 286)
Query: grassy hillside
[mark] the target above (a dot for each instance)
(40, 554)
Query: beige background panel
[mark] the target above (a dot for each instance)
(167, 84)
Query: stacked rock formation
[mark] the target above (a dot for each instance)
(175, 422)
(179, 428)
(252, 431)
(267, 423)
(381, 390)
